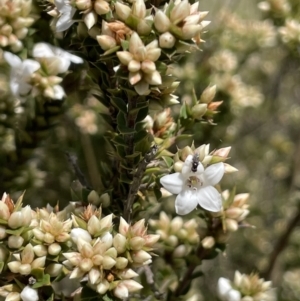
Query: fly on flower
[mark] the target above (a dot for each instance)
(194, 186)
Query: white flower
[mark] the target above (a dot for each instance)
(44, 50)
(195, 188)
(29, 294)
(226, 292)
(67, 12)
(20, 74)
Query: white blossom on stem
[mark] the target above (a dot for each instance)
(195, 188)
(67, 12)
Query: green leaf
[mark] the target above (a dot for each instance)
(44, 282)
(122, 124)
(106, 298)
(19, 203)
(183, 113)
(3, 221)
(119, 103)
(1, 266)
(140, 136)
(38, 274)
(142, 114)
(16, 232)
(125, 179)
(119, 140)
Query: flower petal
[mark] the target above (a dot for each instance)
(173, 182)
(209, 199)
(224, 287)
(233, 295)
(30, 66)
(13, 60)
(213, 174)
(186, 201)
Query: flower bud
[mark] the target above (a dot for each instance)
(161, 21)
(231, 225)
(132, 285)
(136, 243)
(179, 12)
(180, 251)
(25, 269)
(40, 250)
(54, 249)
(123, 11)
(234, 212)
(101, 7)
(15, 242)
(4, 211)
(199, 110)
(139, 9)
(141, 257)
(121, 290)
(13, 296)
(105, 200)
(83, 234)
(102, 287)
(15, 220)
(125, 57)
(189, 31)
(38, 262)
(121, 263)
(29, 294)
(3, 233)
(167, 40)
(208, 94)
(208, 242)
(90, 19)
(83, 4)
(54, 269)
(108, 262)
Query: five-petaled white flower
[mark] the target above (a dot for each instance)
(67, 12)
(20, 73)
(195, 187)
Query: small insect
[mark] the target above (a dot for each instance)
(195, 162)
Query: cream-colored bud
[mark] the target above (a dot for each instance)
(123, 227)
(231, 225)
(101, 7)
(38, 234)
(125, 57)
(176, 224)
(161, 22)
(4, 211)
(21, 33)
(178, 166)
(94, 275)
(144, 27)
(93, 196)
(93, 225)
(14, 266)
(6, 30)
(222, 152)
(234, 212)
(208, 242)
(119, 242)
(139, 9)
(134, 77)
(208, 94)
(40, 250)
(106, 222)
(105, 200)
(229, 168)
(111, 252)
(153, 54)
(83, 234)
(15, 220)
(185, 152)
(132, 285)
(192, 19)
(15, 242)
(151, 239)
(13, 296)
(3, 233)
(54, 269)
(121, 263)
(25, 269)
(106, 42)
(180, 251)
(127, 274)
(134, 66)
(53, 13)
(190, 31)
(136, 243)
(121, 291)
(86, 264)
(108, 262)
(180, 12)
(38, 262)
(141, 256)
(49, 238)
(167, 40)
(3, 41)
(123, 11)
(54, 249)
(83, 4)
(153, 78)
(102, 287)
(171, 240)
(199, 110)
(90, 19)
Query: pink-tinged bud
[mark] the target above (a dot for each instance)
(106, 42)
(139, 227)
(125, 57)
(40, 250)
(121, 263)
(119, 243)
(136, 243)
(222, 152)
(54, 269)
(132, 285)
(103, 286)
(16, 220)
(25, 269)
(127, 274)
(83, 4)
(148, 66)
(139, 9)
(151, 239)
(4, 211)
(49, 238)
(27, 254)
(15, 242)
(108, 262)
(180, 251)
(54, 249)
(3, 233)
(203, 14)
(45, 226)
(101, 7)
(241, 199)
(161, 22)
(204, 24)
(153, 78)
(134, 66)
(73, 257)
(189, 31)
(153, 54)
(135, 43)
(199, 110)
(14, 296)
(83, 234)
(167, 40)
(94, 275)
(234, 212)
(93, 225)
(86, 264)
(208, 94)
(180, 12)
(86, 250)
(231, 225)
(208, 242)
(90, 19)
(123, 227)
(38, 234)
(123, 11)
(134, 77)
(121, 291)
(63, 237)
(141, 257)
(14, 266)
(38, 263)
(97, 259)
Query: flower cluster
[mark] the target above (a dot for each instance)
(245, 288)
(14, 23)
(39, 76)
(290, 32)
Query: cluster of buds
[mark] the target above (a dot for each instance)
(179, 20)
(12, 292)
(39, 76)
(245, 288)
(290, 32)
(205, 157)
(235, 210)
(14, 23)
(277, 7)
(162, 125)
(176, 235)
